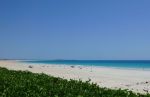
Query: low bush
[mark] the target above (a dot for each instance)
(27, 84)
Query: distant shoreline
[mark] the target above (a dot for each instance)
(119, 64)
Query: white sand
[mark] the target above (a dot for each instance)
(135, 80)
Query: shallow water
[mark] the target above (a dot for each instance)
(139, 64)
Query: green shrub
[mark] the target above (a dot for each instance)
(27, 84)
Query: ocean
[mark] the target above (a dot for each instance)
(139, 64)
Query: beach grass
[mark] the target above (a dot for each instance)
(27, 84)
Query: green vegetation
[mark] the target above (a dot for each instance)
(27, 84)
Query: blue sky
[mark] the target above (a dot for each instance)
(75, 29)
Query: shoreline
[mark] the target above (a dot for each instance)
(97, 66)
(133, 79)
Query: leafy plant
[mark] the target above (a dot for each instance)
(27, 84)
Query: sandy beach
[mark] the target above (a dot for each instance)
(133, 79)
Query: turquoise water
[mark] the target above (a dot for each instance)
(144, 64)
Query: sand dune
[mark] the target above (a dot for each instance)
(136, 80)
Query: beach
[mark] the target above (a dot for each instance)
(137, 80)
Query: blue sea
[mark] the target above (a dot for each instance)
(137, 64)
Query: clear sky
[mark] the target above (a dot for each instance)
(75, 29)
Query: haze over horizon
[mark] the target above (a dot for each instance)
(80, 29)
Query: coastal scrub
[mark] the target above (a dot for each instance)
(27, 84)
